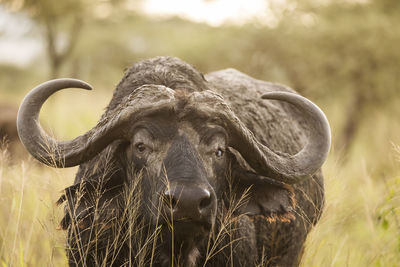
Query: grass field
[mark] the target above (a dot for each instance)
(360, 225)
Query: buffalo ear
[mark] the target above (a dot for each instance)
(271, 199)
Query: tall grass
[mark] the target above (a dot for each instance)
(116, 227)
(30, 234)
(360, 225)
(29, 218)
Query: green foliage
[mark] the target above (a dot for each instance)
(337, 52)
(336, 48)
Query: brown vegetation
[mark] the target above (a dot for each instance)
(9, 140)
(8, 119)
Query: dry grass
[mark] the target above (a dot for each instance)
(31, 236)
(360, 225)
(29, 217)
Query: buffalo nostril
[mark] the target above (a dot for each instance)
(205, 203)
(206, 200)
(187, 202)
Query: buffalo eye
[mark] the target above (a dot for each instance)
(219, 153)
(140, 147)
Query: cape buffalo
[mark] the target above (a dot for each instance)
(188, 170)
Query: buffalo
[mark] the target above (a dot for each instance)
(186, 169)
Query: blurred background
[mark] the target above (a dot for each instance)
(342, 54)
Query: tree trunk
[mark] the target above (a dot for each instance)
(56, 56)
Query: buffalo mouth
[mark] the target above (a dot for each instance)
(180, 242)
(191, 228)
(186, 228)
(184, 233)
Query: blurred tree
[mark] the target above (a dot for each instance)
(337, 50)
(62, 23)
(109, 46)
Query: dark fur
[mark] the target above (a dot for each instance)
(270, 229)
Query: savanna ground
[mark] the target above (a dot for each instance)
(346, 62)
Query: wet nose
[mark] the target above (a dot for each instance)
(190, 202)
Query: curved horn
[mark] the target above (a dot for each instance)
(283, 167)
(310, 158)
(63, 154)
